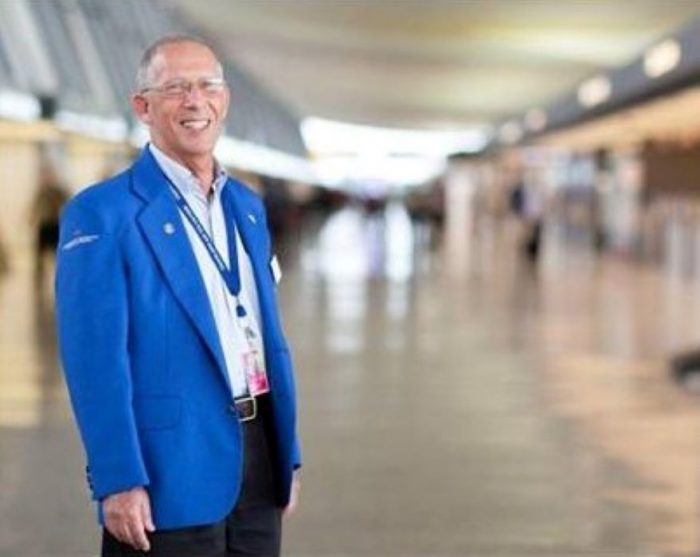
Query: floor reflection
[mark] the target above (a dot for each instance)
(31, 389)
(509, 409)
(506, 409)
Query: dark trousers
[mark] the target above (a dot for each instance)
(252, 529)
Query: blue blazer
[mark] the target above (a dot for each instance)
(141, 353)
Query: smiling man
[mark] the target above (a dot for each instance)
(178, 370)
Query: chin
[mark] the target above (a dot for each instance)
(198, 149)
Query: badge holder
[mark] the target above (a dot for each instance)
(253, 368)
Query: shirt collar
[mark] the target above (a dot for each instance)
(183, 178)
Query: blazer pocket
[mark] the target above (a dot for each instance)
(157, 412)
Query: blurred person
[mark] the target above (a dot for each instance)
(526, 203)
(277, 206)
(177, 366)
(516, 199)
(533, 214)
(44, 216)
(4, 259)
(426, 208)
(600, 239)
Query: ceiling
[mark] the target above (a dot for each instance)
(430, 64)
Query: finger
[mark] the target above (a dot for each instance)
(146, 516)
(289, 509)
(124, 535)
(110, 528)
(127, 530)
(131, 538)
(115, 524)
(138, 536)
(293, 500)
(117, 529)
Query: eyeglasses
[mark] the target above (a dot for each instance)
(179, 88)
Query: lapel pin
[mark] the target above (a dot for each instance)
(252, 218)
(169, 228)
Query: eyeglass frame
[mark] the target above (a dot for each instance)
(188, 86)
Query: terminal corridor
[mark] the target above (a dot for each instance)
(487, 214)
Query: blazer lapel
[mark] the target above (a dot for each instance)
(165, 232)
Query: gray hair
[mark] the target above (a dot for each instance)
(143, 73)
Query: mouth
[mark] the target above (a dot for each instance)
(197, 124)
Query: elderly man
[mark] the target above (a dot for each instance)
(177, 366)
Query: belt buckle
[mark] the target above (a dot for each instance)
(246, 402)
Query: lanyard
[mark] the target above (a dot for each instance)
(230, 274)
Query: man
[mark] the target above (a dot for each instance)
(177, 367)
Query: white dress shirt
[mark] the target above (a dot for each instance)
(210, 213)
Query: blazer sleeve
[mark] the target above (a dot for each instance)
(92, 317)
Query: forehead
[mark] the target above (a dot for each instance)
(184, 59)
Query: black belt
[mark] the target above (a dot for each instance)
(246, 408)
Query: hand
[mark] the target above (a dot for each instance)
(293, 496)
(128, 517)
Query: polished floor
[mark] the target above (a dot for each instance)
(454, 402)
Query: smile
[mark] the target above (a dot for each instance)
(195, 124)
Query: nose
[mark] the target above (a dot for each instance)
(194, 95)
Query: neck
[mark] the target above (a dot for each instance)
(204, 174)
(202, 166)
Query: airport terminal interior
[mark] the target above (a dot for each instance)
(487, 214)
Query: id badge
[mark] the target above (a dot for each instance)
(255, 373)
(276, 269)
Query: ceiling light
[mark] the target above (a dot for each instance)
(328, 137)
(536, 119)
(18, 106)
(594, 91)
(382, 171)
(510, 132)
(108, 128)
(662, 58)
(264, 160)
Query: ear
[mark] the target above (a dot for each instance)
(229, 97)
(141, 107)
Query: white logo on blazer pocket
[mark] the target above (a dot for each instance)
(79, 241)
